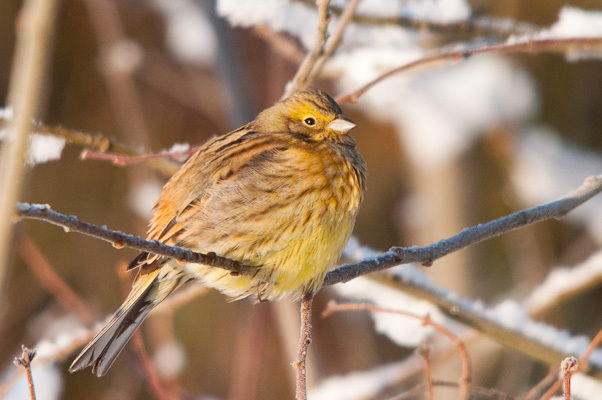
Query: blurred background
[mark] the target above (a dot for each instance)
(514, 131)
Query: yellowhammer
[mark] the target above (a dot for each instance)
(281, 192)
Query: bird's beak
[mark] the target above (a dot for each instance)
(341, 125)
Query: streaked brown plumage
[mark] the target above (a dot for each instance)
(281, 192)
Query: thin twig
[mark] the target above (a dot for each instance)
(582, 364)
(124, 160)
(284, 46)
(526, 46)
(304, 342)
(120, 239)
(568, 367)
(301, 78)
(49, 279)
(104, 145)
(428, 254)
(122, 90)
(425, 352)
(152, 377)
(475, 26)
(335, 40)
(549, 379)
(34, 37)
(426, 320)
(25, 361)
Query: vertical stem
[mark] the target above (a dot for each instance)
(34, 32)
(304, 341)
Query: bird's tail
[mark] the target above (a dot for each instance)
(148, 290)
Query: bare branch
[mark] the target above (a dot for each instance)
(301, 78)
(120, 239)
(304, 342)
(49, 279)
(113, 148)
(123, 160)
(464, 383)
(335, 40)
(526, 46)
(569, 366)
(427, 255)
(25, 361)
(26, 83)
(477, 25)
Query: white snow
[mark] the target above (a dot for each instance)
(47, 380)
(189, 32)
(575, 22)
(562, 281)
(440, 113)
(404, 331)
(357, 385)
(143, 196)
(44, 148)
(547, 168)
(585, 387)
(170, 360)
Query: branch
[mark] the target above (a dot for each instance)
(478, 25)
(104, 145)
(301, 78)
(427, 255)
(120, 240)
(25, 361)
(304, 341)
(335, 40)
(526, 46)
(34, 33)
(123, 160)
(464, 383)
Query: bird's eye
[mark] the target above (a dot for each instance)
(309, 121)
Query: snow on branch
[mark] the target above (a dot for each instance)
(513, 45)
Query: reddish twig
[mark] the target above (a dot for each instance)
(25, 361)
(582, 365)
(568, 367)
(527, 46)
(425, 353)
(49, 279)
(426, 320)
(287, 48)
(304, 342)
(151, 374)
(152, 377)
(124, 160)
(549, 379)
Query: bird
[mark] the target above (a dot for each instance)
(281, 193)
